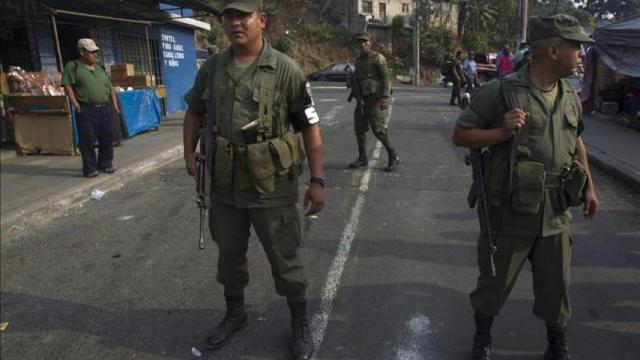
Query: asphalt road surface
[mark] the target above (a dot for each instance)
(390, 262)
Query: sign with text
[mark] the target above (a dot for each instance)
(172, 51)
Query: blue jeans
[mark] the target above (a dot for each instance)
(94, 122)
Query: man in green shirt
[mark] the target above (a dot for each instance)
(89, 88)
(531, 122)
(253, 100)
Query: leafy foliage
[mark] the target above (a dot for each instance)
(604, 9)
(283, 44)
(439, 41)
(317, 33)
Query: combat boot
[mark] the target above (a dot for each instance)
(360, 162)
(394, 160)
(482, 338)
(301, 341)
(234, 320)
(557, 348)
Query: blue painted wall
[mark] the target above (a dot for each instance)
(178, 49)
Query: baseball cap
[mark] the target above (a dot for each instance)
(247, 6)
(88, 45)
(559, 25)
(363, 36)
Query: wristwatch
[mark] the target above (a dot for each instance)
(317, 180)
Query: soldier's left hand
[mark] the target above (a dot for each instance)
(384, 104)
(314, 199)
(590, 206)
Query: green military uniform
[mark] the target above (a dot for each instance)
(254, 173)
(371, 85)
(534, 223)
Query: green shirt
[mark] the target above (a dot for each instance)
(371, 76)
(239, 106)
(551, 133)
(89, 86)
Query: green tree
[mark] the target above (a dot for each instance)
(604, 9)
(479, 15)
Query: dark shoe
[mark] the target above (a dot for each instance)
(109, 170)
(360, 162)
(557, 348)
(235, 319)
(301, 341)
(482, 338)
(393, 162)
(91, 174)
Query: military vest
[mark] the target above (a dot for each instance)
(368, 80)
(270, 150)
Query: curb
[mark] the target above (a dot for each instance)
(45, 210)
(606, 163)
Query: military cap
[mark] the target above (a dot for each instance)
(559, 25)
(362, 36)
(247, 6)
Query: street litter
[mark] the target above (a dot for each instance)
(4, 326)
(196, 352)
(97, 194)
(125, 217)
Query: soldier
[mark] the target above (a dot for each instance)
(371, 87)
(542, 113)
(253, 100)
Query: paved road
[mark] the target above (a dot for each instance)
(390, 263)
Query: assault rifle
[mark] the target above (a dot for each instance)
(200, 190)
(480, 201)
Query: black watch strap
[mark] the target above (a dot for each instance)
(317, 180)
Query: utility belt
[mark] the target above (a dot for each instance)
(531, 182)
(257, 165)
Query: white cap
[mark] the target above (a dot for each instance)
(88, 45)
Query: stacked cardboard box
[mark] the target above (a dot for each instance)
(123, 75)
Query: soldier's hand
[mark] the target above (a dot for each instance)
(384, 104)
(514, 120)
(590, 206)
(190, 162)
(313, 199)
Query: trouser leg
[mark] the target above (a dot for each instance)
(361, 126)
(455, 92)
(87, 129)
(230, 230)
(550, 265)
(278, 229)
(375, 118)
(492, 292)
(105, 138)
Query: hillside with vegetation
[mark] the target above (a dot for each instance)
(310, 30)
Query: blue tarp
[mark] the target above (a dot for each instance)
(140, 110)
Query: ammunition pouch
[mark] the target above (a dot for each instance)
(261, 167)
(574, 183)
(223, 163)
(274, 158)
(370, 88)
(529, 187)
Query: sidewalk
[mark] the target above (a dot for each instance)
(35, 189)
(613, 148)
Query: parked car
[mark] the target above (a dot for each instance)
(335, 72)
(486, 65)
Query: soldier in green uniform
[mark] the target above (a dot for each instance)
(253, 100)
(542, 113)
(371, 87)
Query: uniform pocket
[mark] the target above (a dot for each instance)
(529, 194)
(223, 163)
(261, 167)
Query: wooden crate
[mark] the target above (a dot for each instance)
(36, 133)
(127, 69)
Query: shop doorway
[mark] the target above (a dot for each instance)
(69, 33)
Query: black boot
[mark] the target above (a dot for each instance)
(360, 162)
(301, 342)
(394, 160)
(557, 348)
(234, 320)
(482, 338)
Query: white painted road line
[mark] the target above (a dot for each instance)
(328, 119)
(329, 87)
(320, 320)
(415, 343)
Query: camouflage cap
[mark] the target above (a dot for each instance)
(362, 36)
(247, 6)
(559, 25)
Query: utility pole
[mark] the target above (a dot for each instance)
(416, 48)
(523, 22)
